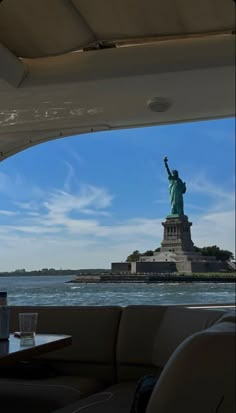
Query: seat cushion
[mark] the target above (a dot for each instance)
(115, 399)
(47, 394)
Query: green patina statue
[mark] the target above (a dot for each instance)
(176, 190)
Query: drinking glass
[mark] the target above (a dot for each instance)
(28, 325)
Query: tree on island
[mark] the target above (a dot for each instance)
(134, 256)
(214, 250)
(148, 253)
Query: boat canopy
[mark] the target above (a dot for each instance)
(75, 66)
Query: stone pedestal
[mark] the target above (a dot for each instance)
(177, 234)
(176, 253)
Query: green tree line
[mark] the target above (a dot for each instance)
(214, 250)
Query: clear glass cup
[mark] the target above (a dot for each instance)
(27, 326)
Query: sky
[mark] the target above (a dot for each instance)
(89, 200)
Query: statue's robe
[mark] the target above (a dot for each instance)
(176, 190)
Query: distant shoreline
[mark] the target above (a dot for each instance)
(107, 277)
(36, 275)
(153, 278)
(62, 273)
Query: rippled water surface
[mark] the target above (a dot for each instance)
(54, 290)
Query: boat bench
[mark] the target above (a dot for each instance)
(112, 348)
(198, 377)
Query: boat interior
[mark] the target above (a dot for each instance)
(70, 67)
(190, 351)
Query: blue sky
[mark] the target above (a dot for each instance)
(89, 200)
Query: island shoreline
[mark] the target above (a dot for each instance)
(152, 278)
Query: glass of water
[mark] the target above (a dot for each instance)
(28, 325)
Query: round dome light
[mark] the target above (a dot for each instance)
(158, 104)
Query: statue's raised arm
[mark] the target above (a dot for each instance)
(176, 190)
(166, 165)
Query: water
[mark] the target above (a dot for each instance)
(53, 290)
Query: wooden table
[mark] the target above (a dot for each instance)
(11, 350)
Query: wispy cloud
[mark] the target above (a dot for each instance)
(89, 199)
(211, 190)
(213, 224)
(70, 177)
(30, 205)
(215, 229)
(7, 213)
(18, 186)
(5, 183)
(218, 196)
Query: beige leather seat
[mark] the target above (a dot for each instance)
(198, 378)
(200, 375)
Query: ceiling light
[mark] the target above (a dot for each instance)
(158, 104)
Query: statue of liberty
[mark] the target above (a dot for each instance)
(176, 190)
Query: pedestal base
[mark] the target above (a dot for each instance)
(177, 234)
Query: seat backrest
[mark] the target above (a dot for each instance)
(177, 324)
(200, 374)
(137, 331)
(94, 334)
(148, 335)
